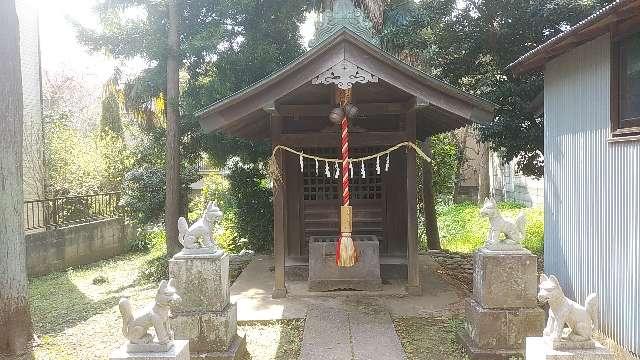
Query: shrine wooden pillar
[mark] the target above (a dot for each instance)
(279, 213)
(413, 270)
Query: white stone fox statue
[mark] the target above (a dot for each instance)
(562, 310)
(514, 231)
(135, 326)
(188, 236)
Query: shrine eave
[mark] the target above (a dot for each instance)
(246, 112)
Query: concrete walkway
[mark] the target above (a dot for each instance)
(349, 325)
(252, 293)
(354, 331)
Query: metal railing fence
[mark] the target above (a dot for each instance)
(57, 212)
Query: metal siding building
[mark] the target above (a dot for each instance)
(592, 191)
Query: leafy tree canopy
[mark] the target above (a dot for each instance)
(470, 43)
(225, 45)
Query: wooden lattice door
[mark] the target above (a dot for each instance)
(320, 195)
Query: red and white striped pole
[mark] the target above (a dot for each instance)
(345, 252)
(345, 161)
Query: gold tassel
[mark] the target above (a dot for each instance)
(346, 256)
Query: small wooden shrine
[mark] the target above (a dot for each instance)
(397, 103)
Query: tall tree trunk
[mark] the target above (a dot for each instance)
(428, 199)
(172, 204)
(484, 177)
(15, 317)
(461, 156)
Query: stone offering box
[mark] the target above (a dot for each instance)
(502, 312)
(325, 275)
(178, 351)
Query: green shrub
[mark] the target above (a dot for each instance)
(145, 239)
(462, 229)
(156, 268)
(216, 189)
(253, 207)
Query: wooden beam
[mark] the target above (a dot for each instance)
(407, 79)
(413, 269)
(266, 92)
(279, 221)
(333, 139)
(365, 109)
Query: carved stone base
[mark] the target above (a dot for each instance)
(571, 345)
(502, 329)
(152, 348)
(207, 332)
(200, 251)
(505, 279)
(237, 350)
(201, 280)
(476, 353)
(539, 348)
(504, 246)
(503, 310)
(179, 351)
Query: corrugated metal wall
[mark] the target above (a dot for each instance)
(592, 192)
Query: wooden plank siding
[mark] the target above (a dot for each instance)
(592, 192)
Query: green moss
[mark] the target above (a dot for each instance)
(462, 229)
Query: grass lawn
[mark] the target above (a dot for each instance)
(430, 338)
(462, 229)
(75, 313)
(273, 340)
(77, 319)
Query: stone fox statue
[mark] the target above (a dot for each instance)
(514, 230)
(136, 325)
(581, 319)
(188, 235)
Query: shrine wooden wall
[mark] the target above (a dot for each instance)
(313, 200)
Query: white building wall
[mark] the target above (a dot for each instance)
(31, 92)
(592, 200)
(507, 184)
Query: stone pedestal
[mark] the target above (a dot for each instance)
(539, 348)
(205, 316)
(325, 275)
(502, 311)
(179, 351)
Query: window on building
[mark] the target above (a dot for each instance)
(625, 106)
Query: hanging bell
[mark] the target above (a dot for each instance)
(351, 111)
(336, 115)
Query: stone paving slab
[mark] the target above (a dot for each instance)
(326, 334)
(373, 335)
(359, 329)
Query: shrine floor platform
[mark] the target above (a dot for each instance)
(252, 293)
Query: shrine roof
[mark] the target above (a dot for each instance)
(252, 105)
